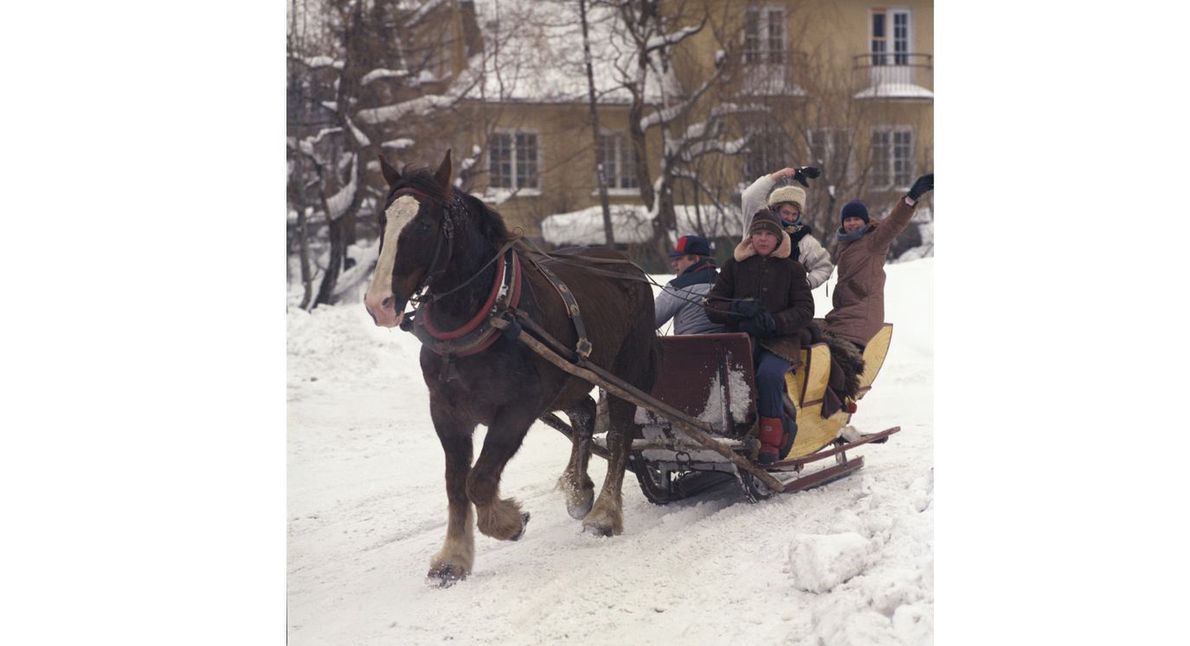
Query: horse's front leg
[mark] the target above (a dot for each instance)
(497, 517)
(576, 485)
(606, 518)
(456, 558)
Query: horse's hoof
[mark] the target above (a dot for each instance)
(600, 529)
(579, 509)
(445, 575)
(524, 524)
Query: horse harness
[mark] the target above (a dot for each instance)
(478, 334)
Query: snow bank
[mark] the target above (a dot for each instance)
(819, 563)
(633, 223)
(849, 563)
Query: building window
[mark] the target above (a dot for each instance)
(764, 35)
(513, 160)
(619, 164)
(890, 26)
(768, 150)
(829, 148)
(892, 157)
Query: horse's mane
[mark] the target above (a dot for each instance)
(487, 220)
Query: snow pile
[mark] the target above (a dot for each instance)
(819, 563)
(850, 563)
(633, 223)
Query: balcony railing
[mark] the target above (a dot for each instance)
(894, 75)
(785, 78)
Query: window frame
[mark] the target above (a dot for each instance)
(515, 160)
(882, 55)
(899, 168)
(777, 143)
(836, 148)
(760, 50)
(618, 181)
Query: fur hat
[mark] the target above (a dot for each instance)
(766, 219)
(691, 246)
(795, 194)
(854, 209)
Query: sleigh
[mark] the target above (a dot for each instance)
(709, 378)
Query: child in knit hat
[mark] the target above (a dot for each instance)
(789, 203)
(763, 292)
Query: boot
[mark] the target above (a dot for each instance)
(790, 436)
(771, 436)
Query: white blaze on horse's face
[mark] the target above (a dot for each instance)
(379, 299)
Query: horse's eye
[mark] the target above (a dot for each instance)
(423, 227)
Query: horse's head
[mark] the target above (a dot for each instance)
(413, 243)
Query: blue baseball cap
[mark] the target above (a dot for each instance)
(691, 246)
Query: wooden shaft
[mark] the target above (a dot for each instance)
(592, 373)
(553, 421)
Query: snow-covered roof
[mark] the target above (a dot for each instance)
(534, 52)
(895, 91)
(632, 223)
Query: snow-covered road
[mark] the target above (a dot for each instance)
(850, 563)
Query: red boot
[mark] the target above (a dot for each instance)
(772, 434)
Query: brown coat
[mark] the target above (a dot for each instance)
(778, 283)
(859, 295)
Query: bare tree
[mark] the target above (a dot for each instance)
(376, 76)
(684, 108)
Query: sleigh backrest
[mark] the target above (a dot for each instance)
(709, 377)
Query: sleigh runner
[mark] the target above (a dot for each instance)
(707, 381)
(710, 378)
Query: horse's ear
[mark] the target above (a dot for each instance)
(390, 174)
(443, 174)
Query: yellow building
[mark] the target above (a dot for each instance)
(846, 85)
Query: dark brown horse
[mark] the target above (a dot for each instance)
(448, 243)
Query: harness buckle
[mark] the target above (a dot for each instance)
(583, 347)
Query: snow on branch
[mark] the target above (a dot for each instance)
(667, 115)
(397, 111)
(337, 204)
(673, 38)
(381, 73)
(360, 137)
(316, 62)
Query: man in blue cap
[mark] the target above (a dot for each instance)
(682, 298)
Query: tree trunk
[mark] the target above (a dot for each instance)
(334, 266)
(608, 232)
(304, 260)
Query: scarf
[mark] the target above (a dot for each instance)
(703, 271)
(843, 236)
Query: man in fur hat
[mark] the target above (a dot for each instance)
(763, 292)
(789, 202)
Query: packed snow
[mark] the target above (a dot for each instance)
(851, 563)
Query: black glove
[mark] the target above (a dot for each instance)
(760, 325)
(923, 185)
(746, 308)
(805, 172)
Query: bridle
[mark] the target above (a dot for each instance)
(446, 236)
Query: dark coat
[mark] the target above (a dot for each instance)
(858, 300)
(779, 283)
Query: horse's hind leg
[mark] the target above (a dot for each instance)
(497, 517)
(606, 517)
(576, 485)
(457, 556)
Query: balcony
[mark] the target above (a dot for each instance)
(894, 76)
(766, 78)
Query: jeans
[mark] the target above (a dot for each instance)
(770, 383)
